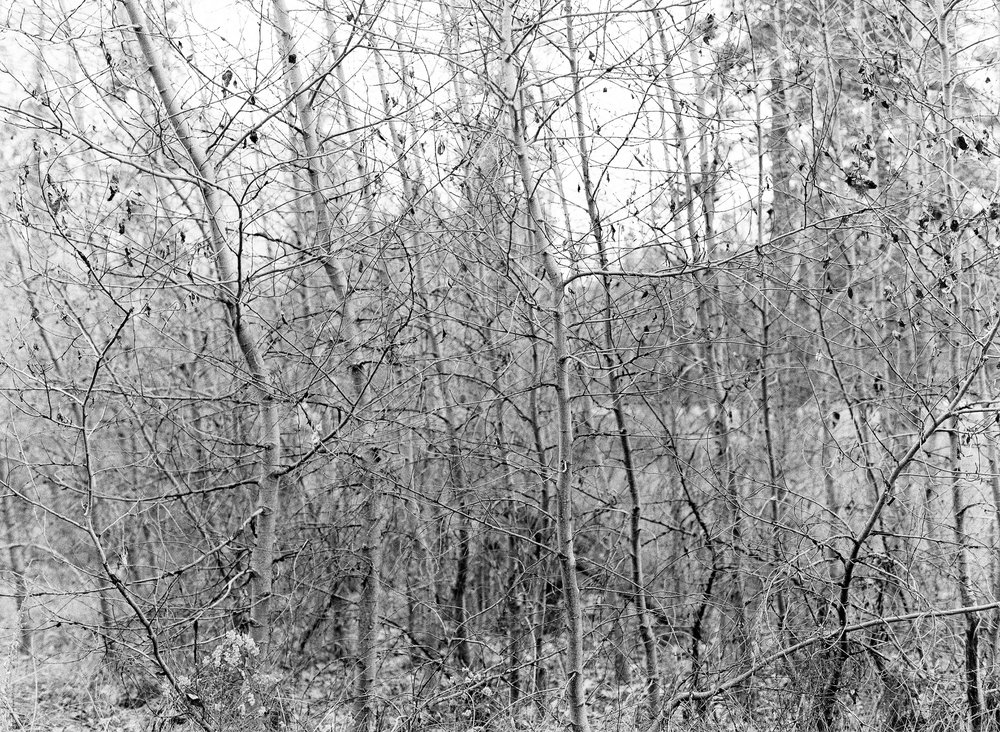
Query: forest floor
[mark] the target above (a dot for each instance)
(67, 685)
(62, 692)
(84, 695)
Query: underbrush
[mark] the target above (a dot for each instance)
(226, 692)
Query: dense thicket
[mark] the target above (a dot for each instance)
(590, 365)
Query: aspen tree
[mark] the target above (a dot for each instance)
(542, 244)
(228, 293)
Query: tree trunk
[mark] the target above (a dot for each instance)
(268, 505)
(639, 591)
(373, 512)
(17, 543)
(958, 311)
(565, 550)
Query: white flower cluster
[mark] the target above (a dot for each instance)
(234, 650)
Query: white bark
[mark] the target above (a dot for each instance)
(228, 292)
(564, 481)
(373, 512)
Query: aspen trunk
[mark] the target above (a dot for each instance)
(228, 289)
(956, 247)
(373, 511)
(566, 551)
(16, 554)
